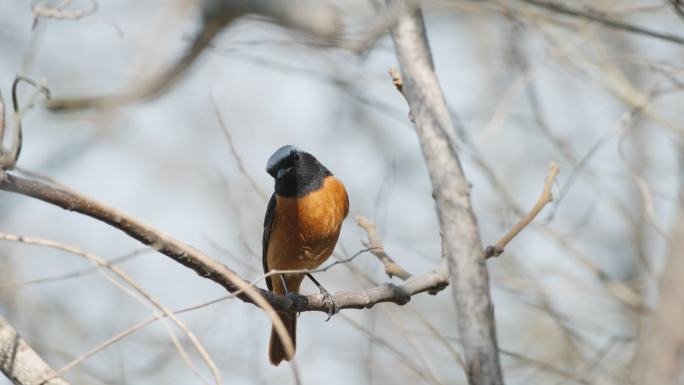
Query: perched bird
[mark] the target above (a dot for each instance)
(302, 224)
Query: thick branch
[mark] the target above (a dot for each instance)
(660, 358)
(21, 364)
(461, 239)
(211, 269)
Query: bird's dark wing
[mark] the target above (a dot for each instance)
(268, 226)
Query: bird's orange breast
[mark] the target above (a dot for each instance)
(305, 229)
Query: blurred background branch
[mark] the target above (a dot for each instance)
(604, 19)
(660, 354)
(318, 20)
(583, 295)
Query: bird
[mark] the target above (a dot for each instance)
(301, 228)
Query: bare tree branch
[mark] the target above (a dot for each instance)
(238, 160)
(315, 18)
(460, 234)
(43, 8)
(73, 274)
(21, 364)
(181, 253)
(134, 290)
(208, 268)
(318, 20)
(9, 159)
(392, 269)
(678, 6)
(544, 198)
(660, 357)
(599, 17)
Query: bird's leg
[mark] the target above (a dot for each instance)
(333, 307)
(287, 292)
(282, 282)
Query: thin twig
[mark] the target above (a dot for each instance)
(59, 11)
(545, 198)
(9, 160)
(238, 160)
(104, 264)
(402, 357)
(396, 80)
(340, 261)
(128, 331)
(73, 274)
(399, 85)
(419, 353)
(599, 17)
(131, 329)
(375, 246)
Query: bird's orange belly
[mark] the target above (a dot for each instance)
(306, 229)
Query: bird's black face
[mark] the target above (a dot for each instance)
(296, 172)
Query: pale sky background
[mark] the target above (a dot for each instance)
(167, 163)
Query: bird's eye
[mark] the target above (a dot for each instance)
(296, 157)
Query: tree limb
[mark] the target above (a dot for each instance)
(660, 355)
(461, 239)
(206, 267)
(21, 364)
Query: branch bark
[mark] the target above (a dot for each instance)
(207, 267)
(660, 358)
(21, 364)
(461, 239)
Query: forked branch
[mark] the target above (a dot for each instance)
(392, 269)
(209, 268)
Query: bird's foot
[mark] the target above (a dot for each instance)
(298, 301)
(329, 300)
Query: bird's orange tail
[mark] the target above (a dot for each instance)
(276, 348)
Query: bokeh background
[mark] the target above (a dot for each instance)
(527, 86)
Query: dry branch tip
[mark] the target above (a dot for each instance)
(545, 198)
(375, 246)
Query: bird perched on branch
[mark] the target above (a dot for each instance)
(302, 224)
